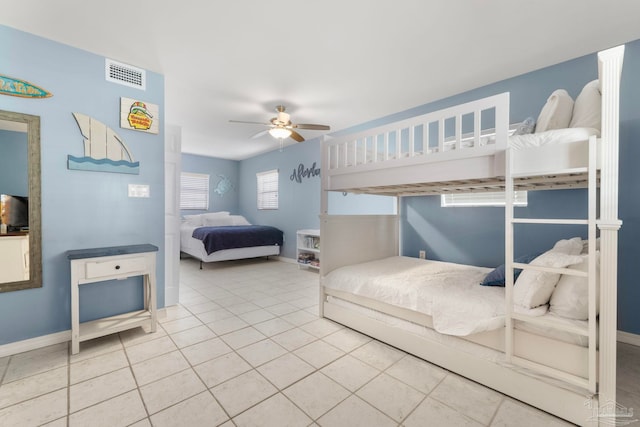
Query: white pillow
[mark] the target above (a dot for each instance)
(556, 113)
(587, 110)
(195, 220)
(219, 221)
(570, 247)
(534, 288)
(215, 214)
(239, 220)
(571, 295)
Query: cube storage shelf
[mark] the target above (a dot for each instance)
(308, 248)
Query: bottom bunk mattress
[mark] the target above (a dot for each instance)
(448, 292)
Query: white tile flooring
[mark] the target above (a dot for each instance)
(246, 348)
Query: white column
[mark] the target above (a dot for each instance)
(610, 67)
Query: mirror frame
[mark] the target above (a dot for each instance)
(35, 232)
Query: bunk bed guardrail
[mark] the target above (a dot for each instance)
(473, 129)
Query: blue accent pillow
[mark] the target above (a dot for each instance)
(497, 276)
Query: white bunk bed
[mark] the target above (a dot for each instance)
(573, 375)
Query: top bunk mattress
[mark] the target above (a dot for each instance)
(525, 141)
(554, 159)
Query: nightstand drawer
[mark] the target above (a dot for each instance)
(115, 268)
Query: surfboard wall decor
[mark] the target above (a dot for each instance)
(104, 150)
(139, 115)
(16, 87)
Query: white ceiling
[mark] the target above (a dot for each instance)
(335, 62)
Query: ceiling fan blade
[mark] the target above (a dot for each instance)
(259, 134)
(295, 135)
(311, 127)
(250, 123)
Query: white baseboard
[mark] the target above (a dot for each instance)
(629, 338)
(34, 343)
(284, 259)
(46, 340)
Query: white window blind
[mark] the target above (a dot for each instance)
(481, 199)
(268, 189)
(194, 191)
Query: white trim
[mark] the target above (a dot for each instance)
(34, 343)
(46, 340)
(629, 338)
(285, 259)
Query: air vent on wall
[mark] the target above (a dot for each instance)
(124, 74)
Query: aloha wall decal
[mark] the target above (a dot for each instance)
(16, 87)
(104, 150)
(302, 172)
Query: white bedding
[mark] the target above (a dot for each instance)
(450, 293)
(531, 140)
(556, 136)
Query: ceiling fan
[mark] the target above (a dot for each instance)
(280, 127)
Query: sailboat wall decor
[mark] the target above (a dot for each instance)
(104, 150)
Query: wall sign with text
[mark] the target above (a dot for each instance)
(302, 172)
(139, 115)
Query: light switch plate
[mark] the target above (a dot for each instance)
(138, 190)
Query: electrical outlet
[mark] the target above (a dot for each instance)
(423, 254)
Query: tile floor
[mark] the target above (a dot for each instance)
(246, 348)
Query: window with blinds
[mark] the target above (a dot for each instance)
(268, 189)
(194, 191)
(481, 199)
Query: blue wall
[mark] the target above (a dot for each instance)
(81, 209)
(216, 168)
(14, 177)
(299, 202)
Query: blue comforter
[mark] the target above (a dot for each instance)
(237, 236)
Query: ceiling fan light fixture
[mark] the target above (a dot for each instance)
(280, 133)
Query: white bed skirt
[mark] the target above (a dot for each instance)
(232, 254)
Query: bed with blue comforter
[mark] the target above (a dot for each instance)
(237, 236)
(229, 240)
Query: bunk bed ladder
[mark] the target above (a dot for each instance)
(588, 383)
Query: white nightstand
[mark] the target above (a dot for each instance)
(101, 264)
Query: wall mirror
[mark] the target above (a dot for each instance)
(20, 232)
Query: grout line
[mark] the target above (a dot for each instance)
(5, 370)
(68, 383)
(135, 379)
(495, 412)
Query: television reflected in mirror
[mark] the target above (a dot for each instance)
(14, 212)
